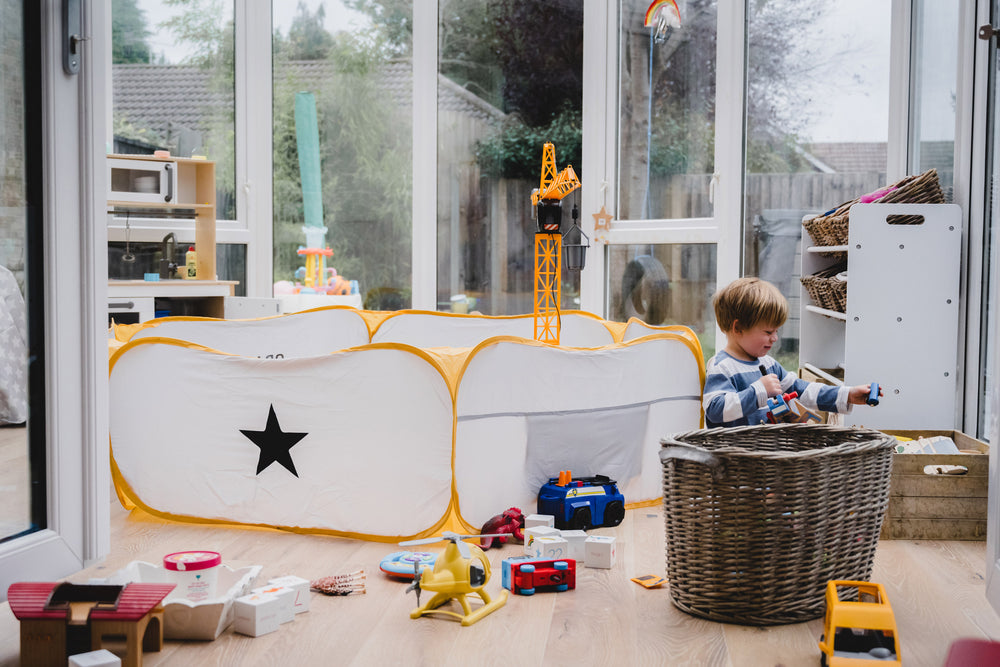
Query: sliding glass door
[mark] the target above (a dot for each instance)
(54, 481)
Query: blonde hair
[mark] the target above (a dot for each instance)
(747, 302)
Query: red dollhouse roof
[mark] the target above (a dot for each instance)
(28, 599)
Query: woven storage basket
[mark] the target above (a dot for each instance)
(759, 518)
(832, 229)
(826, 289)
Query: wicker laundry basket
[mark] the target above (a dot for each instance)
(759, 518)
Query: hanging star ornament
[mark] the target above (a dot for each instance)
(275, 444)
(602, 223)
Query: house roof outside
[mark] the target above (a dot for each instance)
(170, 99)
(870, 157)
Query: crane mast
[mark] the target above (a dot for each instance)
(547, 210)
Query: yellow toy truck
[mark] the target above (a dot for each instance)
(860, 630)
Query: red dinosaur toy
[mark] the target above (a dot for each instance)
(510, 522)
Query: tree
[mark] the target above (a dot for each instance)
(365, 159)
(307, 38)
(129, 33)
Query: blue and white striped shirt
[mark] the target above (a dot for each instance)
(735, 396)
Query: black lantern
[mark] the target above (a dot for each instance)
(575, 243)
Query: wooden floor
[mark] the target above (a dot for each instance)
(14, 480)
(936, 588)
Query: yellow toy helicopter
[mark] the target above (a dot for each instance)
(462, 570)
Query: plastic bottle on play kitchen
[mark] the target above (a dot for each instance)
(191, 264)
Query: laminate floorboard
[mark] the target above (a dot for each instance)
(936, 588)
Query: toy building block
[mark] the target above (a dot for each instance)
(62, 619)
(535, 532)
(600, 551)
(100, 658)
(548, 546)
(525, 576)
(533, 520)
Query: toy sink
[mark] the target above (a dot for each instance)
(182, 618)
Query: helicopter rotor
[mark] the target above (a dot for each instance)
(463, 548)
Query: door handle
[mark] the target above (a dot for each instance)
(72, 20)
(170, 182)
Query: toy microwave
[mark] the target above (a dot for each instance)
(139, 180)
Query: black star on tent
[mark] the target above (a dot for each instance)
(275, 444)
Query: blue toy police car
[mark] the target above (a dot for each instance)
(583, 502)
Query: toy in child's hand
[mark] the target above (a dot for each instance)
(507, 524)
(873, 395)
(778, 408)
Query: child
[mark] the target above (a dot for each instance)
(740, 378)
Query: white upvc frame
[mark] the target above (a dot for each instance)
(984, 98)
(423, 266)
(254, 146)
(75, 240)
(901, 115)
(600, 119)
(970, 170)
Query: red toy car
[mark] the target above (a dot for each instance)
(525, 575)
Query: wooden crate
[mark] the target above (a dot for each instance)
(938, 507)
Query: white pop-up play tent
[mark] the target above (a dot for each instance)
(386, 440)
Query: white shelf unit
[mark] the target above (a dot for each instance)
(901, 325)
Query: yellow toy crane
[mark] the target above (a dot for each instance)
(547, 210)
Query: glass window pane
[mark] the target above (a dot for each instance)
(816, 129)
(172, 78)
(935, 89)
(664, 284)
(510, 79)
(667, 112)
(230, 261)
(15, 473)
(343, 150)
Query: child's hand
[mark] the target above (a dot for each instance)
(859, 394)
(772, 385)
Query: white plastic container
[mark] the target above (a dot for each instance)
(196, 573)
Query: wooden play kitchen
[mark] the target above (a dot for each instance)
(147, 185)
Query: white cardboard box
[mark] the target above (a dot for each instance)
(257, 614)
(530, 534)
(286, 596)
(549, 547)
(539, 520)
(182, 618)
(577, 544)
(99, 658)
(301, 588)
(600, 551)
